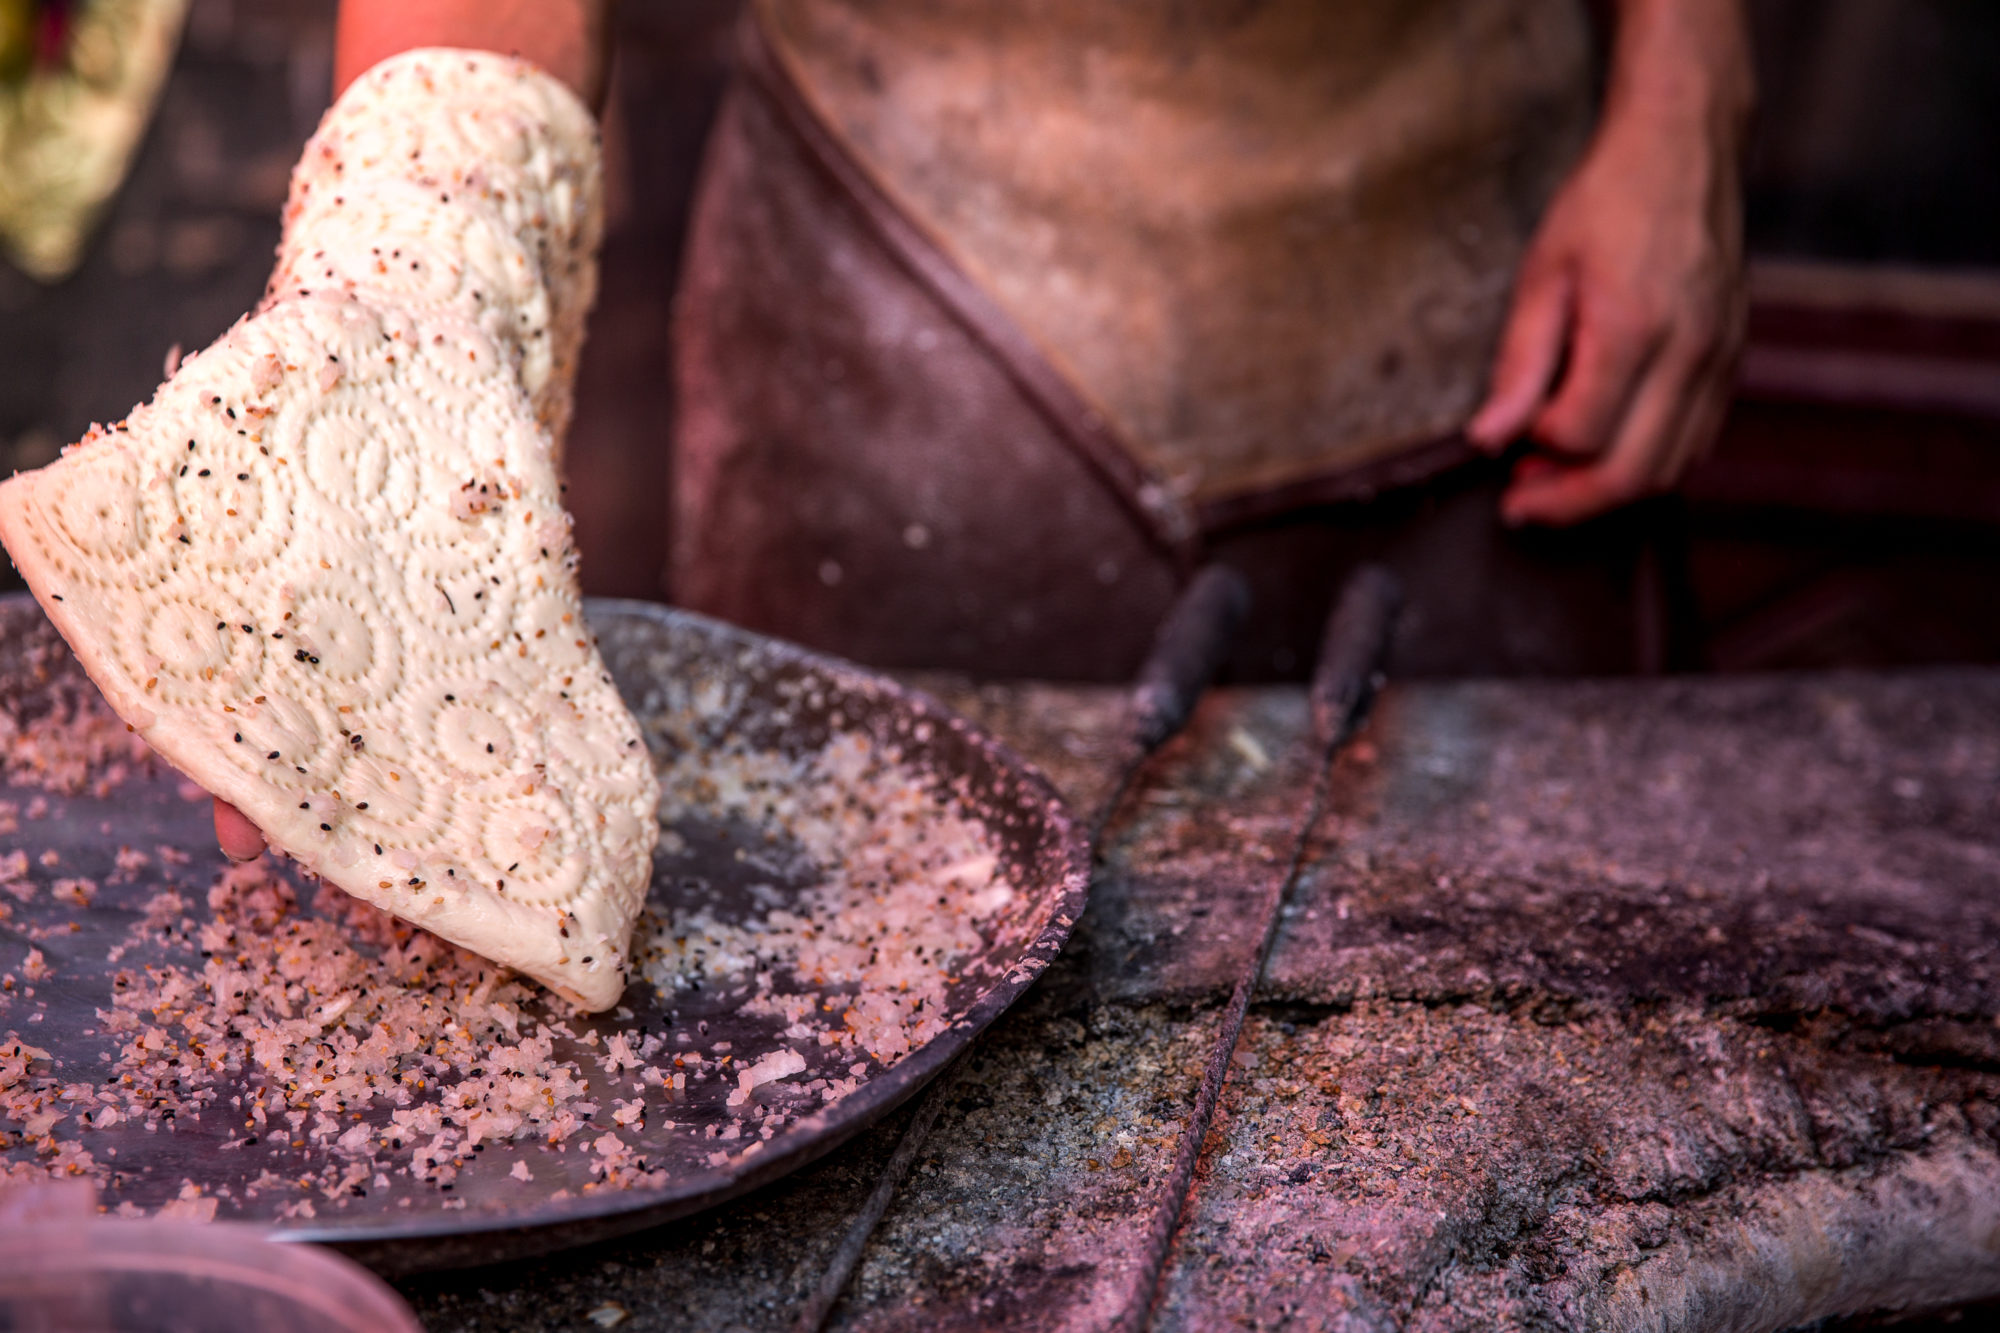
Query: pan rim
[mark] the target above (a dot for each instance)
(397, 1246)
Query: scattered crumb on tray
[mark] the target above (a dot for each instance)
(364, 1056)
(904, 889)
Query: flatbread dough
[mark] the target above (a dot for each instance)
(327, 573)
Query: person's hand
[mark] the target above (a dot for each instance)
(239, 839)
(1619, 352)
(567, 38)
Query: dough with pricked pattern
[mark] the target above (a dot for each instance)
(327, 572)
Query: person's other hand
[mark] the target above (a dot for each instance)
(1619, 351)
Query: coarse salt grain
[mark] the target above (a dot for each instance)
(436, 1049)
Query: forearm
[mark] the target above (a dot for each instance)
(1681, 66)
(568, 38)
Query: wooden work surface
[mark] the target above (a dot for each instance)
(1646, 1005)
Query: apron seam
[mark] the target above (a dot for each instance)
(1163, 514)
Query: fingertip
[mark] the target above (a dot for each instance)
(1529, 513)
(1507, 414)
(239, 839)
(1486, 431)
(1522, 506)
(1543, 491)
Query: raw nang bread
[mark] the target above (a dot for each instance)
(327, 572)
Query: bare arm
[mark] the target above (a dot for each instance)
(565, 37)
(1620, 349)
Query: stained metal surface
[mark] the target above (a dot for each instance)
(692, 682)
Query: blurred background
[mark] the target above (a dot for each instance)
(1850, 515)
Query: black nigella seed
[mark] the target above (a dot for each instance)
(239, 738)
(326, 828)
(202, 473)
(272, 755)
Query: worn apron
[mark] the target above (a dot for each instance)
(999, 315)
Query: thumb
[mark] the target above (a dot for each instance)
(1531, 348)
(241, 840)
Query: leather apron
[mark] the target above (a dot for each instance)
(996, 316)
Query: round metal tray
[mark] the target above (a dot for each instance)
(696, 686)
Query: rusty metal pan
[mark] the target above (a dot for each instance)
(699, 688)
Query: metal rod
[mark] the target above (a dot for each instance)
(1356, 639)
(847, 1257)
(1187, 652)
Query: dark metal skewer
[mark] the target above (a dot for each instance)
(1351, 651)
(1187, 653)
